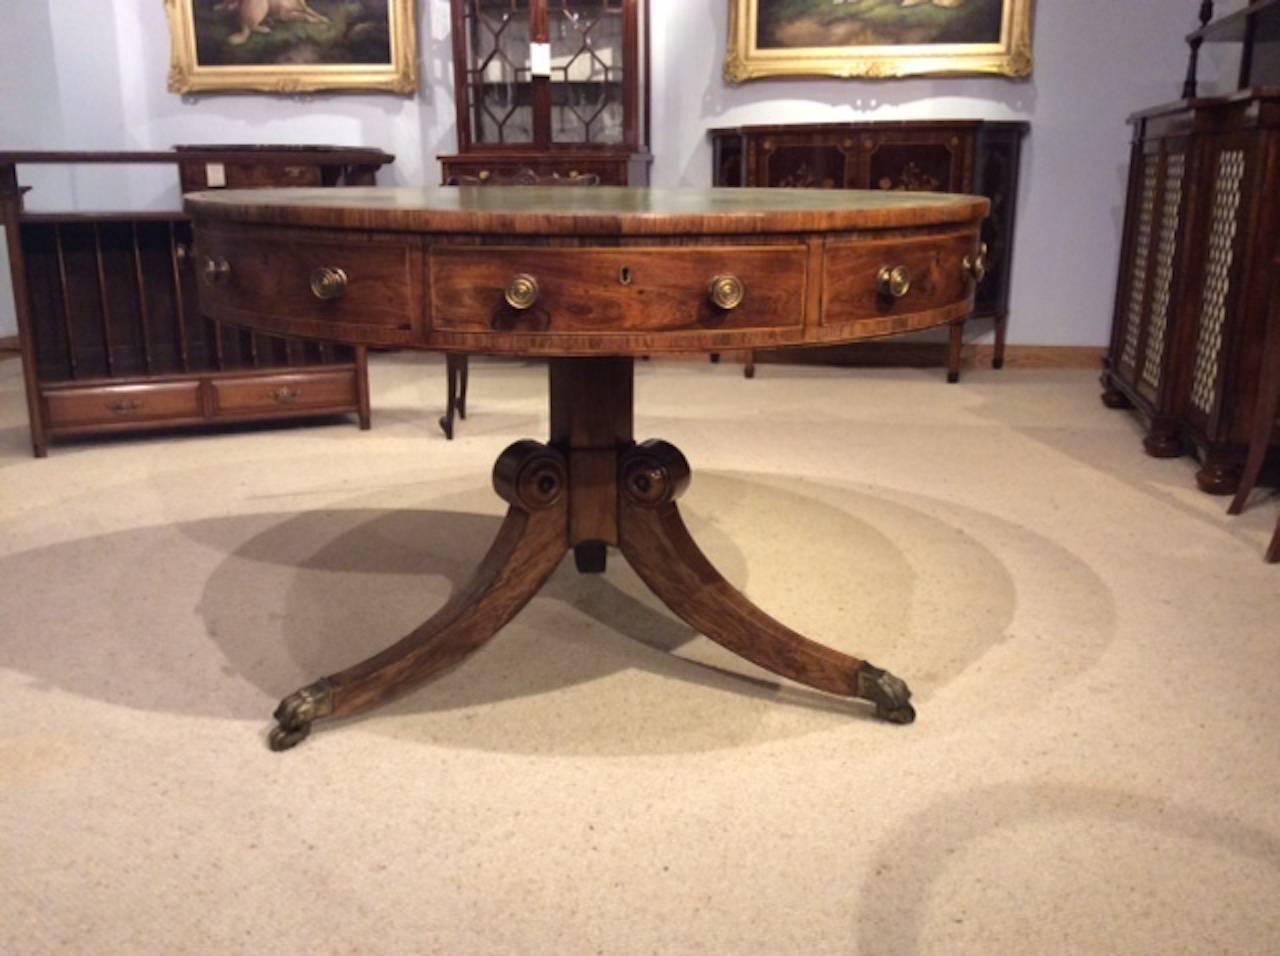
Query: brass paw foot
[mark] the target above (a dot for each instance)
(297, 711)
(890, 695)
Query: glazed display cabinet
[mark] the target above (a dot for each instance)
(977, 157)
(111, 338)
(550, 87)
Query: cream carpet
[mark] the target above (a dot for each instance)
(1093, 645)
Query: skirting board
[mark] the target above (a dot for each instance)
(934, 355)
(9, 343)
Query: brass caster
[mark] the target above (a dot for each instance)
(297, 711)
(282, 738)
(890, 694)
(906, 714)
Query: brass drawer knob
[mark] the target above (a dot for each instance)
(976, 266)
(726, 292)
(285, 395)
(894, 281)
(215, 270)
(522, 292)
(125, 406)
(328, 283)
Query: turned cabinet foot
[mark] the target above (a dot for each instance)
(1162, 440)
(1218, 477)
(1114, 398)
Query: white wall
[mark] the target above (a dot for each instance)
(90, 74)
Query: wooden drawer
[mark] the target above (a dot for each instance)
(852, 291)
(309, 283)
(121, 404)
(284, 393)
(620, 291)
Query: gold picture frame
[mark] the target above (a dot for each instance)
(223, 46)
(871, 28)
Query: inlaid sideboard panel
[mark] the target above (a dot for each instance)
(959, 156)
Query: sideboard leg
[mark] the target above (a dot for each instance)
(655, 541)
(953, 352)
(1002, 328)
(530, 544)
(364, 409)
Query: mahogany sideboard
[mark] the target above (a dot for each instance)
(589, 278)
(110, 333)
(981, 157)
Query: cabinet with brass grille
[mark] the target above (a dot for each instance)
(1202, 217)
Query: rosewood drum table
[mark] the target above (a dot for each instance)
(589, 278)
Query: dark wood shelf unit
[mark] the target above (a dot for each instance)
(1256, 28)
(1236, 27)
(506, 38)
(980, 157)
(111, 337)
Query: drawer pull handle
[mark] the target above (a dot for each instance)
(125, 406)
(726, 292)
(328, 283)
(215, 270)
(894, 281)
(285, 395)
(522, 292)
(976, 266)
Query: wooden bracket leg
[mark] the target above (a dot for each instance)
(654, 539)
(530, 544)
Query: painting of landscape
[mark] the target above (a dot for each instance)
(785, 24)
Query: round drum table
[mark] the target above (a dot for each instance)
(589, 278)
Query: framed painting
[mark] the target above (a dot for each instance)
(292, 46)
(878, 38)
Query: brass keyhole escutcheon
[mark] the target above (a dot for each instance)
(726, 292)
(894, 281)
(976, 266)
(522, 292)
(625, 276)
(328, 283)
